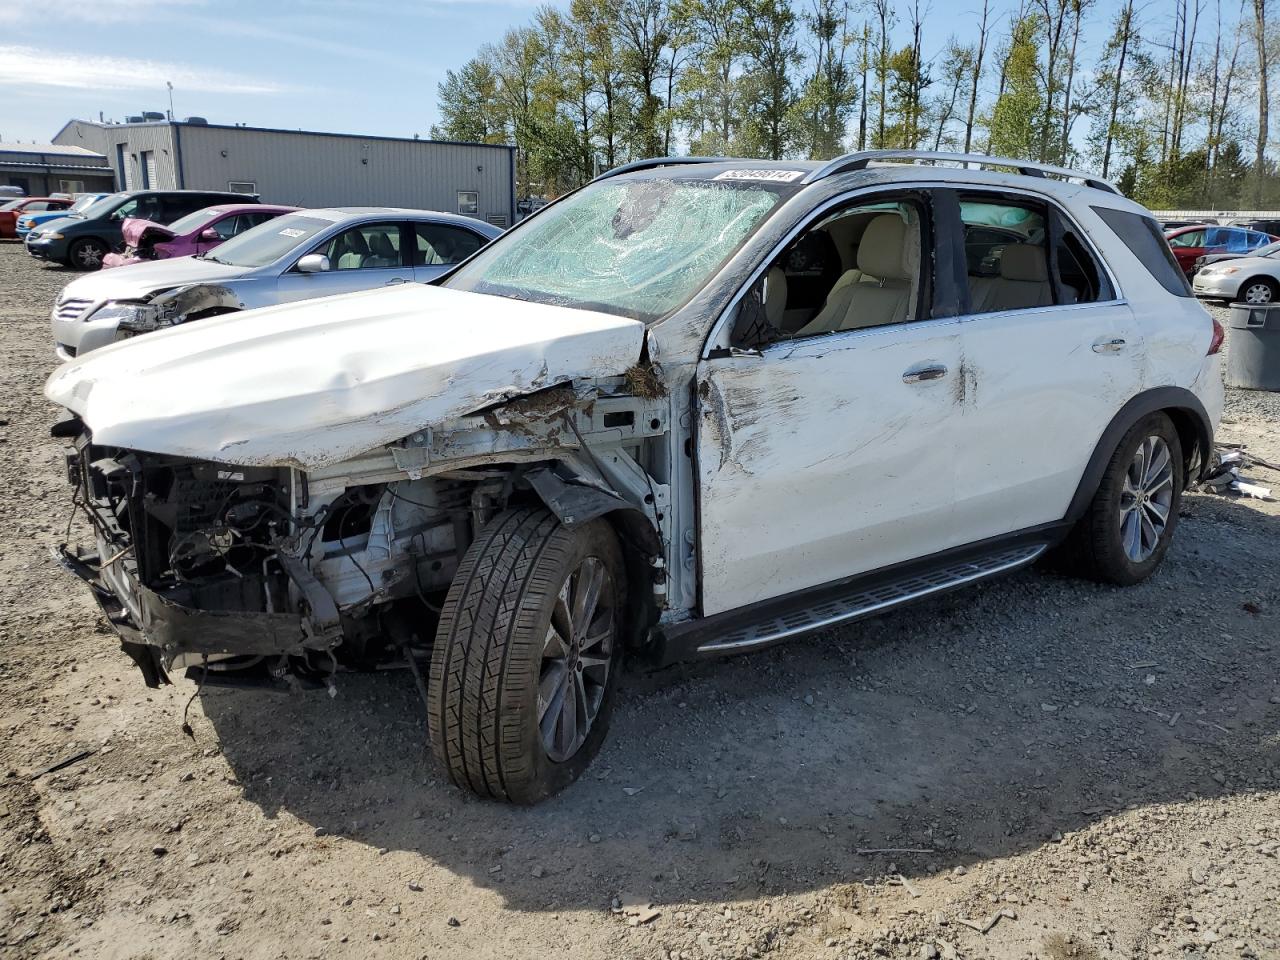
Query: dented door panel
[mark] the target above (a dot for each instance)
(816, 460)
(1040, 386)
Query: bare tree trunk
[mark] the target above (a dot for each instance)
(977, 77)
(1071, 76)
(1116, 84)
(1264, 105)
(866, 65)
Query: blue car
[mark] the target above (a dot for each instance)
(28, 221)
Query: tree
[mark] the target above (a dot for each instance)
(1017, 119)
(469, 106)
(1264, 100)
(643, 28)
(976, 78)
(959, 62)
(712, 111)
(828, 94)
(771, 51)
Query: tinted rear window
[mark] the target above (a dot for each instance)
(1142, 235)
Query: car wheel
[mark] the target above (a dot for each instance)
(1259, 291)
(1129, 524)
(87, 254)
(526, 656)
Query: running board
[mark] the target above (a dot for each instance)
(863, 598)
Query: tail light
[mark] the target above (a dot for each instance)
(1215, 344)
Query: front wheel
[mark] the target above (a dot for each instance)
(87, 254)
(526, 656)
(1259, 291)
(1129, 524)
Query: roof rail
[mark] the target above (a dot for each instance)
(861, 160)
(653, 162)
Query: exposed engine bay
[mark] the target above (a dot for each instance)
(294, 575)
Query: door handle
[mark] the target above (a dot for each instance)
(1103, 345)
(392, 282)
(924, 373)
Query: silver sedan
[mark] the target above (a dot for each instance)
(1253, 280)
(311, 253)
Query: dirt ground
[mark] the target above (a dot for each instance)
(1035, 767)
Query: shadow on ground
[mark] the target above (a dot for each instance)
(975, 726)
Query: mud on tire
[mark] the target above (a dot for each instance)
(507, 597)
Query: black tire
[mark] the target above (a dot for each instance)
(1095, 548)
(1272, 287)
(86, 254)
(487, 661)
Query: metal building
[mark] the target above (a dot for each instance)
(39, 169)
(304, 168)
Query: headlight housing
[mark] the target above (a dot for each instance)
(121, 312)
(49, 235)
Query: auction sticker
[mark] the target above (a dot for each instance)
(291, 232)
(774, 176)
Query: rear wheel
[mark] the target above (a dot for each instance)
(1259, 291)
(526, 656)
(1129, 524)
(87, 254)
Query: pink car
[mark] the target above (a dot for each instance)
(193, 234)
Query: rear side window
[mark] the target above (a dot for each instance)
(1142, 236)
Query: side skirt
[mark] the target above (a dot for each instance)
(772, 621)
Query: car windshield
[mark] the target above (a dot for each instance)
(268, 242)
(194, 221)
(81, 205)
(636, 248)
(104, 206)
(12, 205)
(1270, 250)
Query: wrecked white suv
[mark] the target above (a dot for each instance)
(691, 409)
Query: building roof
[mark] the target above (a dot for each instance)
(51, 149)
(303, 133)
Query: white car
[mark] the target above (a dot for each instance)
(297, 256)
(691, 409)
(1254, 279)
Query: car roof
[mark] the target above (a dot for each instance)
(884, 167)
(250, 208)
(338, 214)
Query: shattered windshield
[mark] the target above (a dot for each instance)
(637, 248)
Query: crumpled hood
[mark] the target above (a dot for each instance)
(313, 383)
(139, 280)
(134, 229)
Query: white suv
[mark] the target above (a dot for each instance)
(694, 408)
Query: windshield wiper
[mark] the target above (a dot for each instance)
(211, 258)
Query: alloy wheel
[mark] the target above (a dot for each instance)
(89, 255)
(1146, 498)
(576, 658)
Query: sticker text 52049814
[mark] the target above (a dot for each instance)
(774, 176)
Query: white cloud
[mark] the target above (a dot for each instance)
(29, 67)
(96, 11)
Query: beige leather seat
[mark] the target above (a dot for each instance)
(1023, 282)
(775, 296)
(881, 290)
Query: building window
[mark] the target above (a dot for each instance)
(242, 186)
(469, 202)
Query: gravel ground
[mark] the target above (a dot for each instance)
(1035, 767)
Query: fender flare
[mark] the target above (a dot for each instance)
(1190, 419)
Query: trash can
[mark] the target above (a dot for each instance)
(1253, 353)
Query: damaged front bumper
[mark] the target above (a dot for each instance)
(160, 635)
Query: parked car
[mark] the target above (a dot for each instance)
(1168, 225)
(297, 256)
(694, 408)
(9, 192)
(194, 234)
(13, 209)
(1191, 243)
(1271, 226)
(1251, 279)
(1208, 258)
(83, 241)
(29, 220)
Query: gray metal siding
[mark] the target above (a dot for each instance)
(137, 139)
(313, 170)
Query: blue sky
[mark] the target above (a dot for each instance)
(351, 66)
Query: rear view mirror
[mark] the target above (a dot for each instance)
(313, 263)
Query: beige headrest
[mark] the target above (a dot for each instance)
(775, 295)
(883, 250)
(1022, 261)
